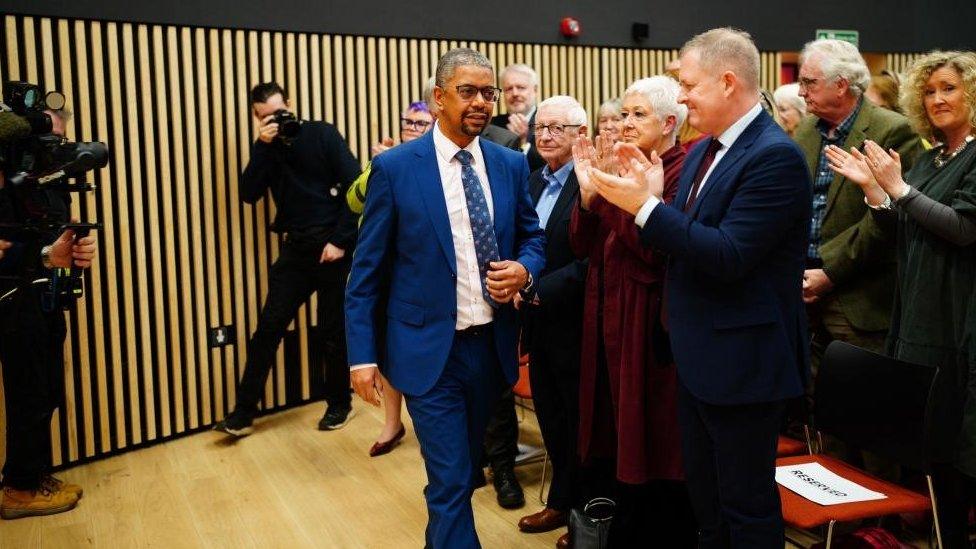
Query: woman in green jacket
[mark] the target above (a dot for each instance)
(934, 321)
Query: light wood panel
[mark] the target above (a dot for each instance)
(180, 253)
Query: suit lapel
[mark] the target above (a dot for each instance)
(688, 171)
(731, 158)
(567, 197)
(536, 184)
(856, 136)
(428, 178)
(810, 142)
(495, 168)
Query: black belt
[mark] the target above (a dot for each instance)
(473, 331)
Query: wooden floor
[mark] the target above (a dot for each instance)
(287, 485)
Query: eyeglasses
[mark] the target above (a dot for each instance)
(555, 130)
(808, 82)
(468, 92)
(419, 125)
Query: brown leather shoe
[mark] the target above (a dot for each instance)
(543, 521)
(32, 503)
(563, 541)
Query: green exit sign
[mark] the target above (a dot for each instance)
(845, 35)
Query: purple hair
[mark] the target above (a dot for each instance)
(416, 106)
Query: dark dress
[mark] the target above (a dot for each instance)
(933, 320)
(628, 381)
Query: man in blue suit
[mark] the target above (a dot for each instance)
(736, 234)
(449, 236)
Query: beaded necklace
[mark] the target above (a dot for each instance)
(942, 158)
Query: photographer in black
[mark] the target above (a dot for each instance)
(32, 339)
(308, 167)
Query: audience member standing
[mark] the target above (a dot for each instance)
(628, 383)
(414, 122)
(449, 235)
(935, 206)
(520, 83)
(849, 281)
(736, 235)
(553, 314)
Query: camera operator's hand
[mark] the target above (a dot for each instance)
(331, 253)
(66, 252)
(3, 246)
(268, 129)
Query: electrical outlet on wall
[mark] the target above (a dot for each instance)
(221, 336)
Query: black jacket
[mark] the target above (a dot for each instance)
(308, 179)
(535, 159)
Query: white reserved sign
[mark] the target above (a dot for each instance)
(819, 485)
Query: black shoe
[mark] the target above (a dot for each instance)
(238, 424)
(508, 489)
(335, 418)
(479, 480)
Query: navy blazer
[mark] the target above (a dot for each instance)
(405, 260)
(735, 309)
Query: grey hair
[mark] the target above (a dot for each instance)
(839, 59)
(613, 104)
(662, 93)
(459, 57)
(521, 68)
(789, 94)
(727, 49)
(575, 113)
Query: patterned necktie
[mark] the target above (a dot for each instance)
(485, 243)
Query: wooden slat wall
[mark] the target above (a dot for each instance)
(899, 62)
(180, 252)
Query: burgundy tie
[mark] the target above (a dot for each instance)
(713, 146)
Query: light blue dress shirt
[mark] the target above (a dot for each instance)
(554, 185)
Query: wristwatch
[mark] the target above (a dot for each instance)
(528, 290)
(46, 257)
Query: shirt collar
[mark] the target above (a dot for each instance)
(733, 132)
(559, 176)
(842, 129)
(446, 149)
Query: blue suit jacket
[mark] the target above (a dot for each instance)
(735, 309)
(404, 263)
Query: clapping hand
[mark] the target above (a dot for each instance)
(519, 125)
(583, 153)
(886, 168)
(854, 166)
(634, 164)
(641, 179)
(604, 158)
(384, 145)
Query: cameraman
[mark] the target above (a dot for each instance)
(308, 167)
(32, 348)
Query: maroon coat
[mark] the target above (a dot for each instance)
(629, 411)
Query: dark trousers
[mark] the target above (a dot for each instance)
(657, 510)
(501, 437)
(730, 462)
(294, 276)
(955, 495)
(32, 355)
(555, 394)
(450, 421)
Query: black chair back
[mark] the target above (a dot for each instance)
(876, 403)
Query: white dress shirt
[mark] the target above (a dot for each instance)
(727, 139)
(472, 309)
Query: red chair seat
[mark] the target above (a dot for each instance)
(803, 513)
(787, 446)
(522, 388)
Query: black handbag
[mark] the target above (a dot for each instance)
(590, 528)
